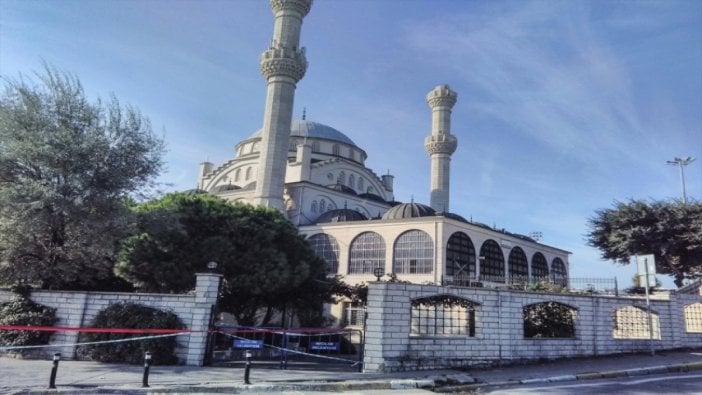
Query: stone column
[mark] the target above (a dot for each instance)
(206, 293)
(283, 65)
(440, 145)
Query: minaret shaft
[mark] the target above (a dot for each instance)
(283, 65)
(440, 145)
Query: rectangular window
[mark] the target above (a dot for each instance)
(353, 314)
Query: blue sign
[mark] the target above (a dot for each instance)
(246, 343)
(325, 346)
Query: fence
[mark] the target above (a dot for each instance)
(604, 286)
(331, 348)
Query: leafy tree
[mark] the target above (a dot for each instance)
(66, 167)
(671, 231)
(267, 265)
(21, 310)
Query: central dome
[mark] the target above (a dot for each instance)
(304, 128)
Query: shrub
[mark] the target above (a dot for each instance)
(131, 315)
(23, 311)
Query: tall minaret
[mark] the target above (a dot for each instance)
(283, 65)
(440, 145)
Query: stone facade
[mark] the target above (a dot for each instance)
(499, 331)
(76, 309)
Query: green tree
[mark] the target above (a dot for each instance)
(66, 167)
(267, 265)
(671, 231)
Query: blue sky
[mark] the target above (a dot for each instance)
(563, 108)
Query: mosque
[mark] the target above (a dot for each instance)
(316, 175)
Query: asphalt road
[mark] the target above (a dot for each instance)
(674, 383)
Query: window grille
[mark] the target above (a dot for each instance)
(559, 273)
(631, 322)
(518, 266)
(367, 252)
(443, 315)
(492, 265)
(539, 267)
(693, 317)
(460, 258)
(326, 247)
(413, 253)
(354, 314)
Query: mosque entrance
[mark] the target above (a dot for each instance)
(276, 348)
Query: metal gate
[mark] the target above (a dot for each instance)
(308, 348)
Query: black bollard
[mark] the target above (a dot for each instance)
(147, 365)
(52, 380)
(247, 369)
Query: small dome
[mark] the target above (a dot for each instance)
(373, 197)
(224, 188)
(452, 216)
(196, 191)
(340, 215)
(304, 128)
(341, 188)
(409, 210)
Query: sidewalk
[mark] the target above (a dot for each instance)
(32, 377)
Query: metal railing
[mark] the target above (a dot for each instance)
(592, 285)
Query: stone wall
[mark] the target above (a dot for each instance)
(77, 309)
(499, 333)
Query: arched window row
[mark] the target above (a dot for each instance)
(539, 266)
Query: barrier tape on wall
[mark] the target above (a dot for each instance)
(128, 339)
(355, 363)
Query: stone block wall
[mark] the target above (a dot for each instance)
(77, 309)
(499, 332)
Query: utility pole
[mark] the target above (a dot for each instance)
(681, 162)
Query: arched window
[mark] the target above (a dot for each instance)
(341, 179)
(549, 320)
(237, 175)
(460, 258)
(693, 318)
(314, 206)
(366, 252)
(443, 315)
(518, 266)
(492, 262)
(326, 247)
(352, 180)
(559, 272)
(255, 147)
(335, 149)
(249, 171)
(631, 322)
(322, 206)
(413, 253)
(360, 184)
(539, 267)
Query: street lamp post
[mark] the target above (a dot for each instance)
(681, 162)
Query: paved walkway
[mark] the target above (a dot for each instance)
(32, 377)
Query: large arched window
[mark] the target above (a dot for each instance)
(518, 266)
(326, 247)
(413, 253)
(559, 272)
(367, 251)
(492, 262)
(460, 258)
(539, 267)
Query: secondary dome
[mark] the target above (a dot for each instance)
(341, 215)
(305, 128)
(409, 210)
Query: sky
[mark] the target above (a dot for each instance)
(564, 107)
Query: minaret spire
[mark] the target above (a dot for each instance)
(282, 65)
(440, 144)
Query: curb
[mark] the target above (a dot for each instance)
(684, 367)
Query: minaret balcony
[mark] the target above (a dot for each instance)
(440, 144)
(284, 62)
